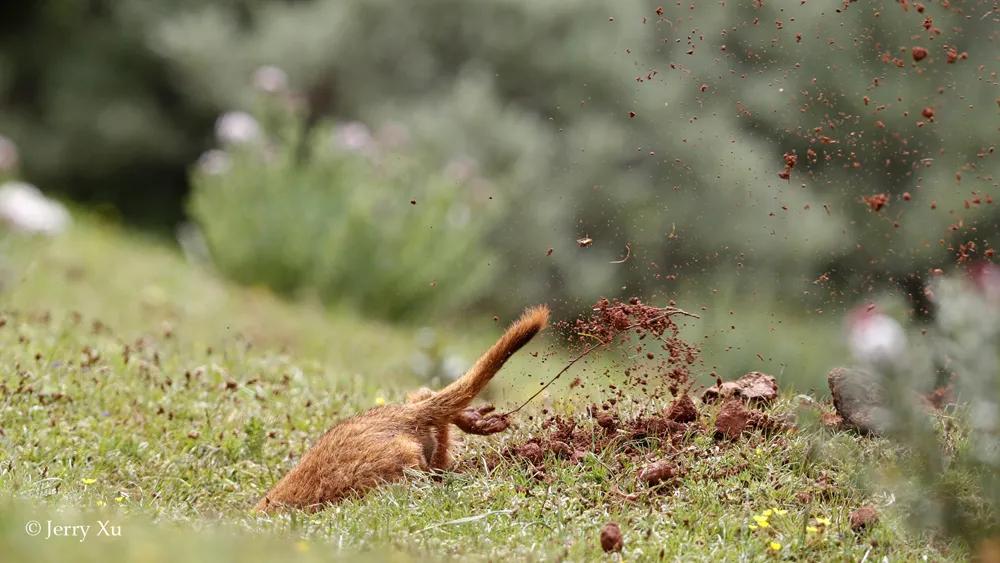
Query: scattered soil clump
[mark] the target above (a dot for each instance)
(735, 418)
(682, 410)
(659, 472)
(754, 386)
(611, 538)
(863, 518)
(732, 420)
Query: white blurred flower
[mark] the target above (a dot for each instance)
(874, 337)
(23, 208)
(8, 154)
(237, 127)
(354, 136)
(270, 79)
(214, 162)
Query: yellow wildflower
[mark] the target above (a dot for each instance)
(380, 401)
(752, 526)
(780, 512)
(774, 546)
(88, 481)
(761, 521)
(823, 521)
(811, 529)
(767, 513)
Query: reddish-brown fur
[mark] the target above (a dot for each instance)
(378, 446)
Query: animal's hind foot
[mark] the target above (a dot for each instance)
(479, 421)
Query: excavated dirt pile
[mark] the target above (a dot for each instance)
(626, 422)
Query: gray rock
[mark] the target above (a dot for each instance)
(860, 399)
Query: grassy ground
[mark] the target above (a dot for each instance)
(144, 393)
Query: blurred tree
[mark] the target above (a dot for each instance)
(93, 110)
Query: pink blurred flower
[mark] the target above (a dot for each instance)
(270, 79)
(986, 278)
(236, 128)
(355, 136)
(874, 337)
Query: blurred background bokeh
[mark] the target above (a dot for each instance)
(770, 165)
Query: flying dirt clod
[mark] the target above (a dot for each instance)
(378, 446)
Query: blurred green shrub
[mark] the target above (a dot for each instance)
(341, 213)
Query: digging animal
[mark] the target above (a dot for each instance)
(378, 446)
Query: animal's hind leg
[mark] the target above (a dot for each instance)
(442, 451)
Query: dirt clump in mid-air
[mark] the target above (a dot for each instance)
(648, 416)
(641, 328)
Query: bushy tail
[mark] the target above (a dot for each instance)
(455, 397)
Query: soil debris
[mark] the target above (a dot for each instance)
(734, 418)
(831, 420)
(658, 472)
(863, 518)
(682, 410)
(754, 386)
(611, 537)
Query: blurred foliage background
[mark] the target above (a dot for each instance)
(515, 128)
